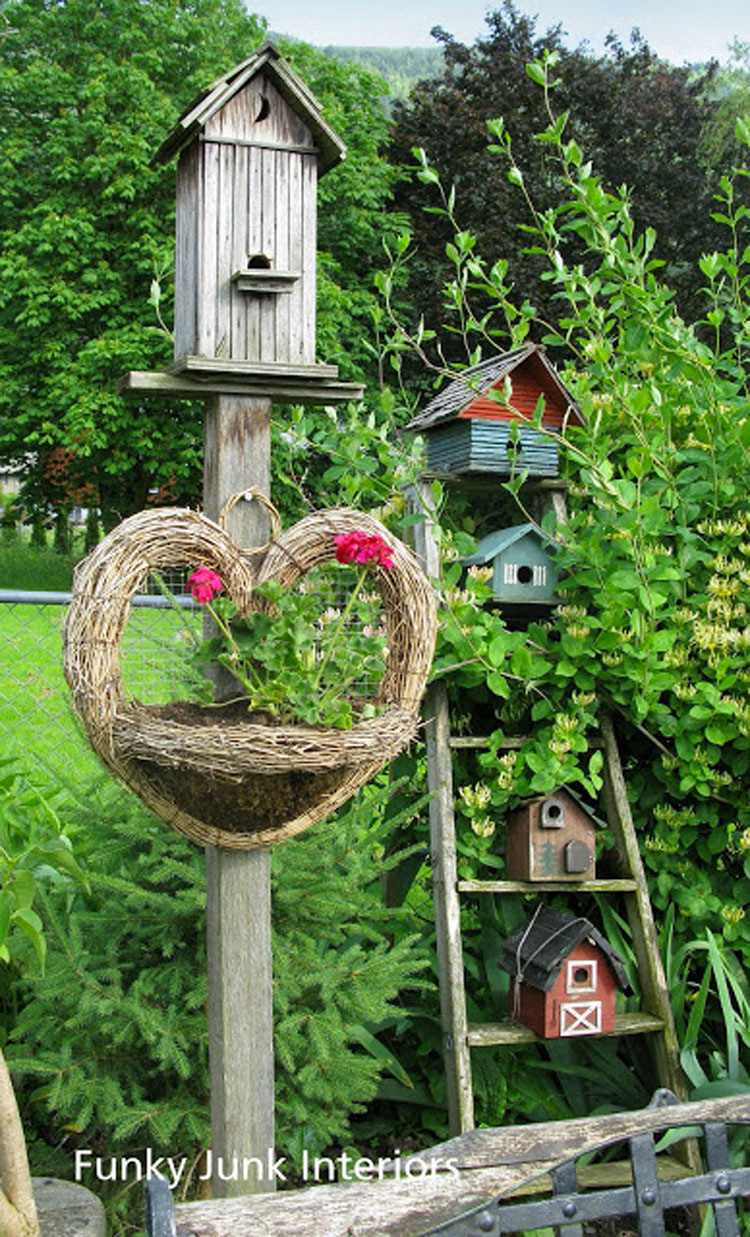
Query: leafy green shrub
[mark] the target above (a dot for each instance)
(655, 594)
(25, 566)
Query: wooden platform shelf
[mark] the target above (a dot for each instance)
(489, 1033)
(618, 885)
(513, 742)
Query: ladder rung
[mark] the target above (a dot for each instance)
(490, 1033)
(618, 885)
(512, 741)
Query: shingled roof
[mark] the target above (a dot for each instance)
(479, 379)
(539, 948)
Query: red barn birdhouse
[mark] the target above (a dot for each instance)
(467, 427)
(564, 976)
(551, 839)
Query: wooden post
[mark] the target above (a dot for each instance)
(238, 883)
(453, 1018)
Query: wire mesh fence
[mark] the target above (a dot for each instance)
(35, 711)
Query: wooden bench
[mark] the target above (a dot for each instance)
(461, 1188)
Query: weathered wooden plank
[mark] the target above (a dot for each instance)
(639, 1023)
(268, 304)
(140, 383)
(189, 205)
(254, 247)
(509, 743)
(231, 367)
(287, 147)
(616, 885)
(281, 246)
(443, 854)
(640, 914)
(486, 1164)
(309, 249)
(209, 253)
(296, 262)
(238, 883)
(224, 258)
(447, 911)
(238, 319)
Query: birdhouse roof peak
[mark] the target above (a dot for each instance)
(536, 951)
(477, 380)
(494, 543)
(267, 59)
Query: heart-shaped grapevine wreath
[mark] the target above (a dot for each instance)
(235, 782)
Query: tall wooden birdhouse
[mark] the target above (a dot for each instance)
(564, 976)
(523, 568)
(467, 427)
(250, 154)
(551, 839)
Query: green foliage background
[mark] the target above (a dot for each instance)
(653, 624)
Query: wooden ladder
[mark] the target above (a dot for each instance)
(459, 1037)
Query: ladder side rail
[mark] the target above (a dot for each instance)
(456, 1052)
(641, 919)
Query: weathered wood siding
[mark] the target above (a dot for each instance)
(247, 187)
(529, 381)
(484, 446)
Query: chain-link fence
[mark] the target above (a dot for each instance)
(35, 711)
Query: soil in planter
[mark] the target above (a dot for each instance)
(263, 801)
(258, 802)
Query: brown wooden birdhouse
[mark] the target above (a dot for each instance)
(250, 153)
(564, 976)
(468, 427)
(551, 839)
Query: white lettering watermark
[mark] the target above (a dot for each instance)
(172, 1169)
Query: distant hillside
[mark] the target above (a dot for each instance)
(400, 66)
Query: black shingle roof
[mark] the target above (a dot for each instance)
(539, 948)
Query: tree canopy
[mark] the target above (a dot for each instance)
(87, 93)
(639, 119)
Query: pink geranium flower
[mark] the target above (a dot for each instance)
(204, 584)
(366, 548)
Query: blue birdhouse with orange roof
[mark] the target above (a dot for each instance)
(481, 423)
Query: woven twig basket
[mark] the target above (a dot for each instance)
(261, 783)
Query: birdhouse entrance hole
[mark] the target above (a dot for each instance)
(525, 574)
(581, 977)
(258, 262)
(553, 814)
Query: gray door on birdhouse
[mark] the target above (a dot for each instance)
(251, 151)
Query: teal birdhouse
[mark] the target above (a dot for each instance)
(481, 424)
(523, 570)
